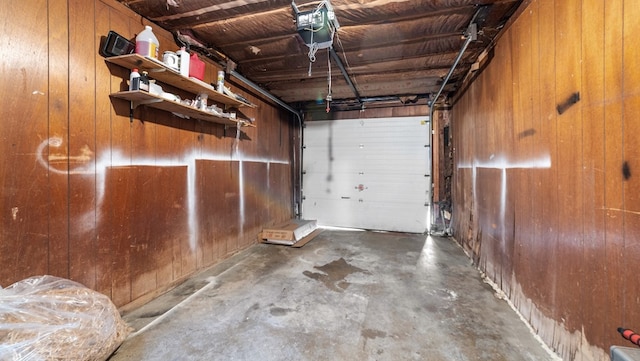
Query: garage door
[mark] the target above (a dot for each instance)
(368, 173)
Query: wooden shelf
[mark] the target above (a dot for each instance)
(139, 97)
(162, 73)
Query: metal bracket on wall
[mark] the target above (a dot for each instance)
(136, 103)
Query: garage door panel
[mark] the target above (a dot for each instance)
(369, 166)
(337, 186)
(395, 190)
(406, 218)
(382, 183)
(327, 214)
(368, 173)
(367, 215)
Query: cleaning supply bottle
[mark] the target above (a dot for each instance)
(220, 83)
(183, 54)
(144, 81)
(134, 80)
(147, 44)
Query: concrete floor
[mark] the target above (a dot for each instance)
(346, 295)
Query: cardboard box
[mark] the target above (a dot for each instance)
(290, 232)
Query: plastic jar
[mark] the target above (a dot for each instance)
(134, 79)
(147, 44)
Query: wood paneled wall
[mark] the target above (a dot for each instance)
(372, 112)
(546, 191)
(128, 208)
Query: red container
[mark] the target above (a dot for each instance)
(196, 67)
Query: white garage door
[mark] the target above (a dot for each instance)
(368, 173)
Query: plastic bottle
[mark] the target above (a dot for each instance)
(220, 84)
(147, 44)
(134, 80)
(183, 54)
(144, 81)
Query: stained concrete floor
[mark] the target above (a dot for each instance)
(346, 295)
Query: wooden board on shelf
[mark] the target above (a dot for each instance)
(159, 71)
(139, 97)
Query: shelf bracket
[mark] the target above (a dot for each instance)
(137, 103)
(133, 104)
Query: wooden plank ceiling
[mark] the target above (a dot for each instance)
(391, 49)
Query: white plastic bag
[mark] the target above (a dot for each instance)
(51, 318)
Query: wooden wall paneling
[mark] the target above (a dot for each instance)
(266, 137)
(540, 237)
(275, 175)
(211, 143)
(592, 98)
(249, 186)
(114, 217)
(119, 187)
(631, 166)
(162, 218)
(82, 142)
(212, 149)
(119, 192)
(104, 231)
(187, 141)
(253, 138)
(157, 211)
(570, 188)
(285, 193)
(483, 125)
(477, 125)
(141, 262)
(520, 177)
(207, 209)
(580, 248)
(58, 42)
(208, 138)
(256, 200)
(185, 145)
(411, 111)
(24, 189)
(230, 227)
(492, 176)
(547, 239)
(148, 121)
(488, 193)
(204, 245)
(269, 196)
(459, 198)
(225, 193)
(470, 129)
(119, 137)
(535, 282)
(169, 151)
(515, 178)
(174, 213)
(459, 226)
(505, 147)
(260, 142)
(464, 204)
